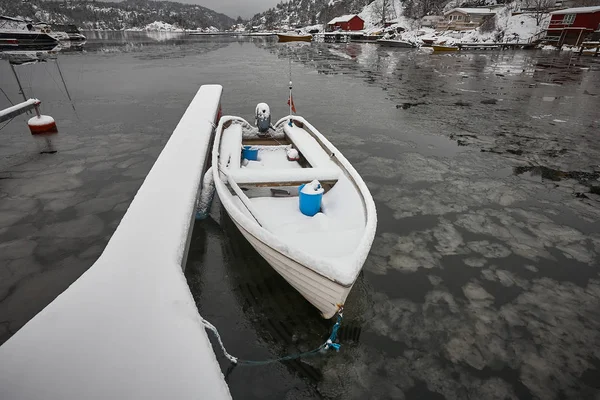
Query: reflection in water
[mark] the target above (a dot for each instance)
(137, 41)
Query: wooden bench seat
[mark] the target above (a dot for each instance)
(284, 177)
(309, 147)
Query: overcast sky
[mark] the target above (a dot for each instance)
(233, 8)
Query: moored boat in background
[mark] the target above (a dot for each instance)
(48, 30)
(294, 37)
(19, 34)
(71, 30)
(444, 47)
(396, 43)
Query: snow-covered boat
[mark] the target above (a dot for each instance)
(294, 37)
(18, 34)
(320, 256)
(396, 43)
(71, 30)
(47, 29)
(428, 41)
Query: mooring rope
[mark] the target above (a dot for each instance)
(329, 344)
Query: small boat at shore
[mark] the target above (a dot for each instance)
(444, 47)
(396, 43)
(261, 178)
(71, 30)
(294, 37)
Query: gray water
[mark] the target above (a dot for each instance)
(483, 278)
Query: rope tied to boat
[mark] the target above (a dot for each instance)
(330, 343)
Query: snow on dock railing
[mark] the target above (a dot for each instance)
(129, 328)
(17, 109)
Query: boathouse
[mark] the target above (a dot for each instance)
(459, 19)
(572, 25)
(350, 22)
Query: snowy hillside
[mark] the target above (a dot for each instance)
(127, 14)
(306, 12)
(402, 13)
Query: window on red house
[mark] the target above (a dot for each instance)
(569, 19)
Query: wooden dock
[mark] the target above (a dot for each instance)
(494, 46)
(590, 45)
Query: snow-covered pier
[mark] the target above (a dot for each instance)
(18, 109)
(129, 328)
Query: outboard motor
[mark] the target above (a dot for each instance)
(263, 117)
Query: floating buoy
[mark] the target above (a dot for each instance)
(42, 124)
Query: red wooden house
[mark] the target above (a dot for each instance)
(572, 25)
(351, 22)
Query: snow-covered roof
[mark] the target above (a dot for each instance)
(343, 18)
(483, 11)
(577, 10)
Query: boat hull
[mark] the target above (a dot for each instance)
(395, 43)
(26, 41)
(293, 38)
(437, 47)
(323, 293)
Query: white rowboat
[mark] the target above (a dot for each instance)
(320, 256)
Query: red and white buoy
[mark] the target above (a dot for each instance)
(41, 124)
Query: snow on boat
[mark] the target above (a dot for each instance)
(294, 37)
(320, 256)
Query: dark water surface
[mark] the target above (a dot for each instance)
(483, 280)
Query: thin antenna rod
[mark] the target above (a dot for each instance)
(65, 84)
(290, 88)
(18, 81)
(7, 98)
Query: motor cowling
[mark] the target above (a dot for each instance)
(263, 117)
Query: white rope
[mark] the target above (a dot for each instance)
(211, 327)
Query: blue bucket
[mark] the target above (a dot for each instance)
(249, 153)
(310, 204)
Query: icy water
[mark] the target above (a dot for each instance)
(483, 280)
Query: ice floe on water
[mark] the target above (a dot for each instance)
(504, 277)
(410, 167)
(530, 238)
(466, 347)
(489, 250)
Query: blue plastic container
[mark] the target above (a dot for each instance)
(249, 153)
(310, 204)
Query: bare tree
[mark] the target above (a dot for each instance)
(539, 9)
(489, 24)
(383, 10)
(420, 8)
